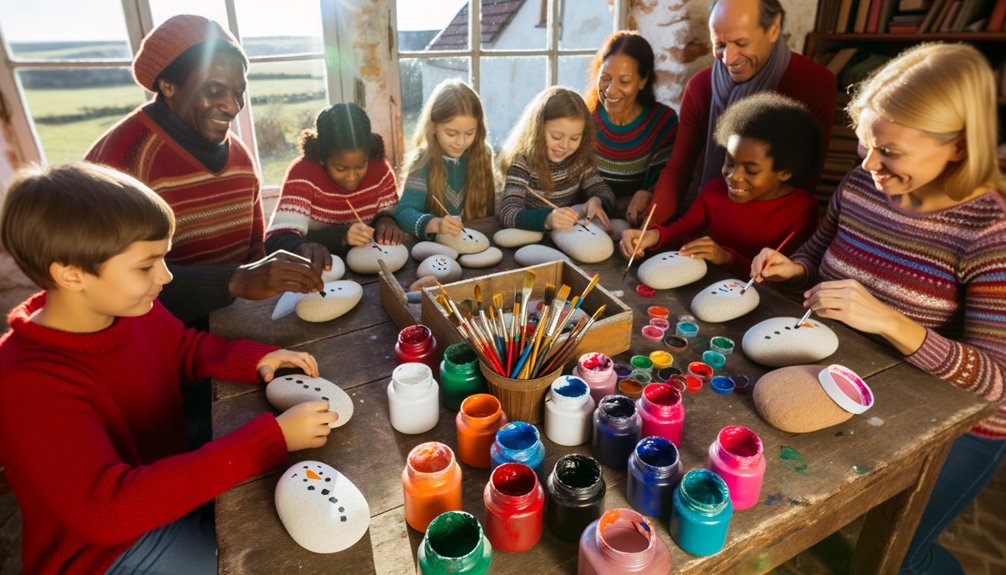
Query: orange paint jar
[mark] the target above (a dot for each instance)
(432, 483)
(477, 421)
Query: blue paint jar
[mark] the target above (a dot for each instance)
(654, 471)
(518, 441)
(617, 428)
(701, 513)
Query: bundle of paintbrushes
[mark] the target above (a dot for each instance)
(513, 346)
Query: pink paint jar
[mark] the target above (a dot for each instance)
(662, 412)
(660, 323)
(737, 457)
(598, 371)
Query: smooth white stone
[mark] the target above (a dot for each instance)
(670, 270)
(516, 237)
(538, 254)
(338, 270)
(488, 258)
(776, 343)
(723, 301)
(363, 259)
(618, 226)
(469, 241)
(340, 297)
(321, 510)
(288, 300)
(423, 250)
(588, 244)
(286, 391)
(441, 267)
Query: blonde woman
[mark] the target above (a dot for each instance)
(913, 249)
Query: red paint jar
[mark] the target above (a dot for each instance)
(417, 344)
(662, 412)
(515, 503)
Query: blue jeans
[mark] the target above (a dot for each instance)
(970, 465)
(188, 546)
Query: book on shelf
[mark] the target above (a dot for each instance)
(913, 5)
(862, 12)
(947, 25)
(873, 20)
(997, 17)
(840, 59)
(887, 8)
(931, 15)
(844, 11)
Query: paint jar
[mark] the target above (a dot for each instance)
(742, 383)
(575, 495)
(622, 371)
(662, 412)
(641, 362)
(654, 471)
(700, 514)
(515, 507)
(661, 359)
(631, 388)
(679, 382)
(616, 430)
(693, 384)
(413, 398)
(721, 344)
(432, 483)
(675, 342)
(598, 370)
(687, 329)
(417, 344)
(622, 541)
(652, 334)
(700, 370)
(722, 385)
(658, 312)
(454, 544)
(518, 441)
(477, 421)
(568, 411)
(642, 376)
(660, 323)
(459, 375)
(714, 359)
(737, 457)
(666, 373)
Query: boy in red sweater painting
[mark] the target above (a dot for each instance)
(772, 149)
(92, 434)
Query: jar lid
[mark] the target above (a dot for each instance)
(846, 388)
(722, 385)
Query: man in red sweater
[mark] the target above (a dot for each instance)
(751, 57)
(92, 435)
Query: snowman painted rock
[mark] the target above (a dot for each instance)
(777, 342)
(723, 301)
(538, 254)
(286, 391)
(441, 267)
(618, 227)
(488, 258)
(339, 298)
(363, 259)
(423, 250)
(469, 241)
(670, 270)
(516, 237)
(585, 243)
(321, 509)
(288, 300)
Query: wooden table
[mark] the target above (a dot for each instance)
(882, 463)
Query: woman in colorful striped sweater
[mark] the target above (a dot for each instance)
(913, 248)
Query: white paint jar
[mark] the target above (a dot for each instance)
(413, 398)
(568, 411)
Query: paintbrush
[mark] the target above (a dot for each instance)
(514, 323)
(525, 361)
(526, 288)
(501, 326)
(456, 322)
(642, 231)
(482, 314)
(542, 326)
(552, 205)
(557, 310)
(806, 315)
(767, 262)
(467, 312)
(448, 214)
(359, 219)
(574, 340)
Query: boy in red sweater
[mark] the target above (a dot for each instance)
(92, 434)
(772, 150)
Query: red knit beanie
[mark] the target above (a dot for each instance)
(169, 40)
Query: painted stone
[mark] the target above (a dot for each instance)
(791, 399)
(340, 297)
(321, 509)
(588, 244)
(423, 250)
(618, 226)
(538, 254)
(287, 302)
(363, 259)
(488, 258)
(469, 241)
(670, 270)
(776, 342)
(441, 267)
(723, 301)
(286, 391)
(516, 237)
(338, 270)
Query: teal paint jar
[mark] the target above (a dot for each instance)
(460, 376)
(700, 514)
(455, 544)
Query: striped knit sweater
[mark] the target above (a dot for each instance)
(411, 211)
(630, 157)
(945, 270)
(571, 184)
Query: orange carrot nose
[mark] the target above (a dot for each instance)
(312, 475)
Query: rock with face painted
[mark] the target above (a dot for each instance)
(778, 342)
(339, 298)
(538, 254)
(469, 241)
(321, 509)
(441, 267)
(516, 237)
(423, 250)
(363, 259)
(286, 391)
(585, 243)
(723, 301)
(287, 302)
(488, 258)
(670, 270)
(617, 228)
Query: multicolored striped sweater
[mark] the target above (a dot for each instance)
(411, 211)
(630, 157)
(571, 184)
(945, 270)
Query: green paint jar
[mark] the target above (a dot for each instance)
(459, 375)
(455, 544)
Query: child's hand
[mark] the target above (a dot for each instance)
(359, 234)
(593, 209)
(306, 425)
(772, 266)
(387, 232)
(321, 259)
(706, 249)
(628, 244)
(272, 361)
(561, 218)
(450, 225)
(634, 214)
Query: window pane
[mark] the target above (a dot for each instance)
(71, 108)
(513, 25)
(506, 86)
(419, 78)
(573, 72)
(32, 29)
(161, 10)
(285, 98)
(432, 25)
(585, 24)
(268, 31)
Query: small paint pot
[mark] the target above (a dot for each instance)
(742, 383)
(722, 385)
(692, 383)
(661, 359)
(631, 388)
(675, 342)
(652, 334)
(721, 344)
(714, 359)
(658, 311)
(666, 373)
(678, 381)
(622, 371)
(700, 370)
(660, 323)
(641, 362)
(687, 329)
(645, 290)
(643, 377)
(686, 317)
